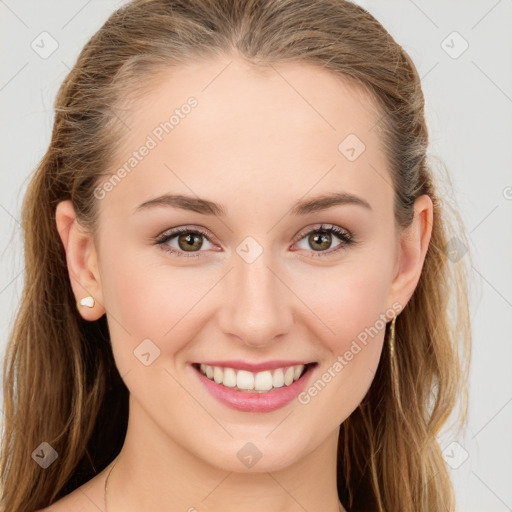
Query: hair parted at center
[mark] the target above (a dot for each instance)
(61, 384)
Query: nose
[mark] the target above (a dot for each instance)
(257, 307)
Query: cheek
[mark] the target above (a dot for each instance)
(136, 296)
(148, 299)
(353, 307)
(151, 317)
(346, 299)
(350, 303)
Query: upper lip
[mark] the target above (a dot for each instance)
(255, 367)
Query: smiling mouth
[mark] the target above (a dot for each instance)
(254, 382)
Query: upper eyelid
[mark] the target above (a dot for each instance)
(320, 227)
(172, 232)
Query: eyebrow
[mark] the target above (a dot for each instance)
(206, 207)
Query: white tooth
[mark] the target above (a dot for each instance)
(278, 378)
(248, 381)
(245, 380)
(297, 371)
(288, 376)
(218, 374)
(263, 381)
(229, 378)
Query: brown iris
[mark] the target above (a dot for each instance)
(190, 241)
(319, 238)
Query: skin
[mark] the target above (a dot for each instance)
(258, 141)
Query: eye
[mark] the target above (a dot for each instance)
(184, 240)
(321, 237)
(188, 242)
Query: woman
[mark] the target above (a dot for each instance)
(238, 290)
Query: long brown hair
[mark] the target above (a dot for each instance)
(61, 384)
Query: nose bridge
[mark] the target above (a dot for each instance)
(257, 307)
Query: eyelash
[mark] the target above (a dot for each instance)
(342, 234)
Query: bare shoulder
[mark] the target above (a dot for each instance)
(72, 503)
(88, 497)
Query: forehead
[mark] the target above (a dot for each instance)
(227, 129)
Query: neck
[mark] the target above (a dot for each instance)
(157, 471)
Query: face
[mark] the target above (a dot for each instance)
(252, 279)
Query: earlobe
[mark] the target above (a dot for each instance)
(414, 242)
(81, 260)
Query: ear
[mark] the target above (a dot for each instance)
(81, 258)
(414, 242)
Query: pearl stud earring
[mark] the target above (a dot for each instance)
(86, 301)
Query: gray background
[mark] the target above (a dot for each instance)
(469, 106)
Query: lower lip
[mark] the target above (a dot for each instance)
(255, 402)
